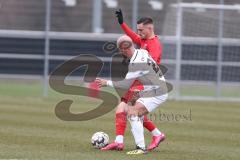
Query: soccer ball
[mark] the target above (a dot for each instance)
(100, 140)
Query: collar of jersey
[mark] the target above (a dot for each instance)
(134, 55)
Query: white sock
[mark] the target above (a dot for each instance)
(137, 131)
(119, 139)
(156, 132)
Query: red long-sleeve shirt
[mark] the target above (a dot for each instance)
(153, 45)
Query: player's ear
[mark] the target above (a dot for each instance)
(151, 27)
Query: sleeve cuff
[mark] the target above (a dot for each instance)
(124, 25)
(109, 83)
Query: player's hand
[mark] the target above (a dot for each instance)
(101, 82)
(119, 15)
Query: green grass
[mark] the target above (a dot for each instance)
(30, 130)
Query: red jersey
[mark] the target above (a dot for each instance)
(153, 46)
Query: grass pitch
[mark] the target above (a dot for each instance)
(30, 130)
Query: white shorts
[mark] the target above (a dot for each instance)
(152, 103)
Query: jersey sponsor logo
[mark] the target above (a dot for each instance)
(155, 67)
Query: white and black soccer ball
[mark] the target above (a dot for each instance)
(100, 140)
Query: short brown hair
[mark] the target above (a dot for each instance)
(145, 20)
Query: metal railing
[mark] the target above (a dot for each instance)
(177, 40)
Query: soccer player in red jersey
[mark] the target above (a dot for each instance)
(147, 40)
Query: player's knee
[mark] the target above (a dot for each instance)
(141, 110)
(121, 107)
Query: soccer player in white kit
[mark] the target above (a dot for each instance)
(143, 68)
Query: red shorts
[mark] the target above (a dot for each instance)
(128, 96)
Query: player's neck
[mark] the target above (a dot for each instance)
(151, 36)
(133, 51)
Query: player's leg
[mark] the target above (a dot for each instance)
(121, 118)
(157, 138)
(148, 124)
(157, 135)
(152, 103)
(135, 117)
(120, 121)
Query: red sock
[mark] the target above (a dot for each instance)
(148, 124)
(121, 122)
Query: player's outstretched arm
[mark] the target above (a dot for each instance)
(135, 37)
(126, 83)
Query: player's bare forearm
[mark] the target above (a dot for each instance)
(125, 84)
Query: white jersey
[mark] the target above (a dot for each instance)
(143, 68)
